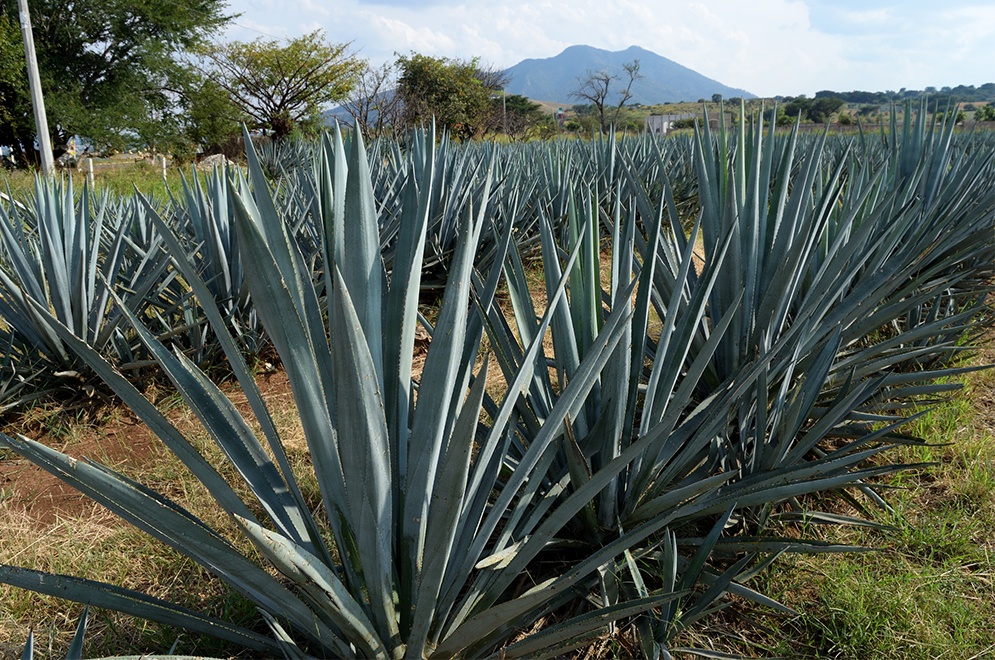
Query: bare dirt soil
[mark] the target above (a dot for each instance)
(112, 436)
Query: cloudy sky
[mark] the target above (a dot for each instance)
(767, 47)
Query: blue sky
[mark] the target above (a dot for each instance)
(767, 47)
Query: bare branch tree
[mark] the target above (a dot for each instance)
(492, 79)
(595, 88)
(374, 103)
(518, 118)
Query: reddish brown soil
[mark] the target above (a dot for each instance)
(120, 440)
(45, 498)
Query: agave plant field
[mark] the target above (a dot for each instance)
(703, 346)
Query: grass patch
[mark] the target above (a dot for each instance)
(121, 181)
(83, 539)
(927, 591)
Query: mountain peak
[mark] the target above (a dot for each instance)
(665, 81)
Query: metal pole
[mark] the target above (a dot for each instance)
(504, 112)
(37, 100)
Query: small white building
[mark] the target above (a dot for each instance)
(660, 124)
(663, 124)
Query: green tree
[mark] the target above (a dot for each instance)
(280, 86)
(985, 113)
(798, 107)
(212, 119)
(519, 118)
(940, 103)
(109, 68)
(822, 108)
(455, 92)
(13, 78)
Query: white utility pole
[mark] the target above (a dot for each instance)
(504, 111)
(37, 100)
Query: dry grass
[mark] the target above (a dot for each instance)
(929, 593)
(44, 531)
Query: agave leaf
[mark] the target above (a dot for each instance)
(263, 207)
(286, 643)
(644, 628)
(307, 359)
(691, 572)
(76, 645)
(157, 423)
(673, 498)
(176, 527)
(363, 270)
(304, 568)
(717, 588)
(365, 451)
(491, 619)
(567, 634)
(29, 647)
(233, 435)
(447, 500)
(402, 317)
(488, 459)
(429, 425)
(134, 603)
(572, 397)
(297, 511)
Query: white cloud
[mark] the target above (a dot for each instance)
(869, 17)
(765, 46)
(309, 6)
(406, 37)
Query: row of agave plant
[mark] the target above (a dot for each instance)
(70, 250)
(634, 469)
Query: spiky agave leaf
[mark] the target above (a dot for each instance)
(339, 377)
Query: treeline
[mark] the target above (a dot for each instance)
(961, 93)
(166, 83)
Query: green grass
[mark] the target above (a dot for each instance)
(120, 180)
(92, 543)
(928, 591)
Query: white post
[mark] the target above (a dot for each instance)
(163, 166)
(37, 100)
(89, 170)
(504, 111)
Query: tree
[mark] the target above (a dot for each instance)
(375, 104)
(985, 113)
(107, 67)
(716, 98)
(822, 108)
(595, 87)
(519, 118)
(798, 107)
(940, 103)
(213, 121)
(278, 86)
(13, 78)
(454, 92)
